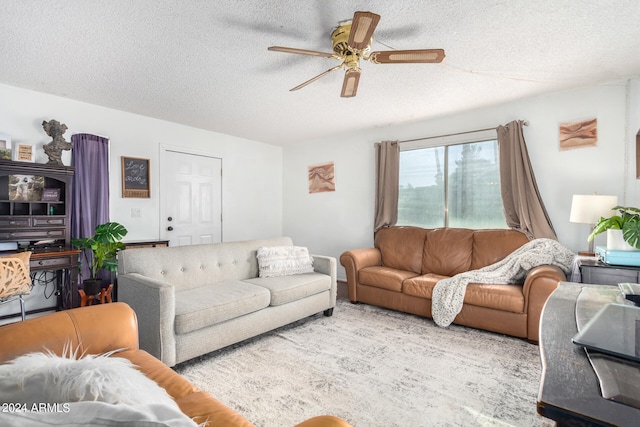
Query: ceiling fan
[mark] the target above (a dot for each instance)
(351, 43)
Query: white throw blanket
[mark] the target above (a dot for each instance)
(448, 294)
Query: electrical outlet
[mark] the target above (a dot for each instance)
(135, 213)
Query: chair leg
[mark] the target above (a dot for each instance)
(22, 310)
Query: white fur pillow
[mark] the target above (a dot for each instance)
(276, 261)
(48, 378)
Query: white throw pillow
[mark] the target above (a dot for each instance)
(274, 261)
(48, 378)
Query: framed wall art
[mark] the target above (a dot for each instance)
(321, 178)
(135, 177)
(579, 134)
(22, 152)
(26, 188)
(5, 146)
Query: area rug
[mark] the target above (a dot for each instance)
(375, 367)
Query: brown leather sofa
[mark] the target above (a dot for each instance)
(101, 328)
(402, 269)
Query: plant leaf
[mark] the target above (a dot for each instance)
(631, 232)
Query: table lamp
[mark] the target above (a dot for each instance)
(588, 209)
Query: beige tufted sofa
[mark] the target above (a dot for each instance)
(191, 300)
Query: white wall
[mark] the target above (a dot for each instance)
(265, 188)
(330, 223)
(252, 171)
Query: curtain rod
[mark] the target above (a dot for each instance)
(525, 123)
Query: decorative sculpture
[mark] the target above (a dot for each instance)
(54, 149)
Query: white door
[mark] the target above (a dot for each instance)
(191, 206)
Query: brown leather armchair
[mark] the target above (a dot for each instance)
(101, 328)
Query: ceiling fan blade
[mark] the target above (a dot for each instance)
(407, 56)
(300, 86)
(362, 27)
(350, 83)
(301, 51)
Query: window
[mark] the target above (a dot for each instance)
(455, 185)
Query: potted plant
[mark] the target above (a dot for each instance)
(99, 251)
(627, 222)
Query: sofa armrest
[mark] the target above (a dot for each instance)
(329, 266)
(355, 260)
(539, 284)
(154, 303)
(94, 329)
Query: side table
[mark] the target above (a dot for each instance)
(597, 272)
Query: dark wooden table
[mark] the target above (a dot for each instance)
(569, 389)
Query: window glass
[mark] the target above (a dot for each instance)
(421, 192)
(463, 177)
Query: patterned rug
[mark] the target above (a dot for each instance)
(375, 367)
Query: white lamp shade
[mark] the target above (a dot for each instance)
(588, 209)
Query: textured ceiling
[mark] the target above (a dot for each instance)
(205, 63)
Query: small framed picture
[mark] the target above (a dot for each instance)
(5, 146)
(26, 188)
(135, 177)
(51, 195)
(22, 152)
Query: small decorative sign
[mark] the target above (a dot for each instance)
(135, 177)
(22, 152)
(51, 195)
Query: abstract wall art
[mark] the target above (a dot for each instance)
(578, 134)
(322, 178)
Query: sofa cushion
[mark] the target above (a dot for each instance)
(275, 261)
(192, 266)
(214, 303)
(401, 247)
(384, 277)
(500, 297)
(447, 251)
(285, 289)
(491, 246)
(421, 286)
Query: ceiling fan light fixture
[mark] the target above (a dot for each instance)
(351, 41)
(350, 83)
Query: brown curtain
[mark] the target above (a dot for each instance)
(523, 207)
(387, 181)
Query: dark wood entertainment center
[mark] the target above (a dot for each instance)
(38, 217)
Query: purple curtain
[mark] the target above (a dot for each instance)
(90, 196)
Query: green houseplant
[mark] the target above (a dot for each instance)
(99, 251)
(627, 220)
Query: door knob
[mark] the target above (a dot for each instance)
(170, 228)
(169, 219)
